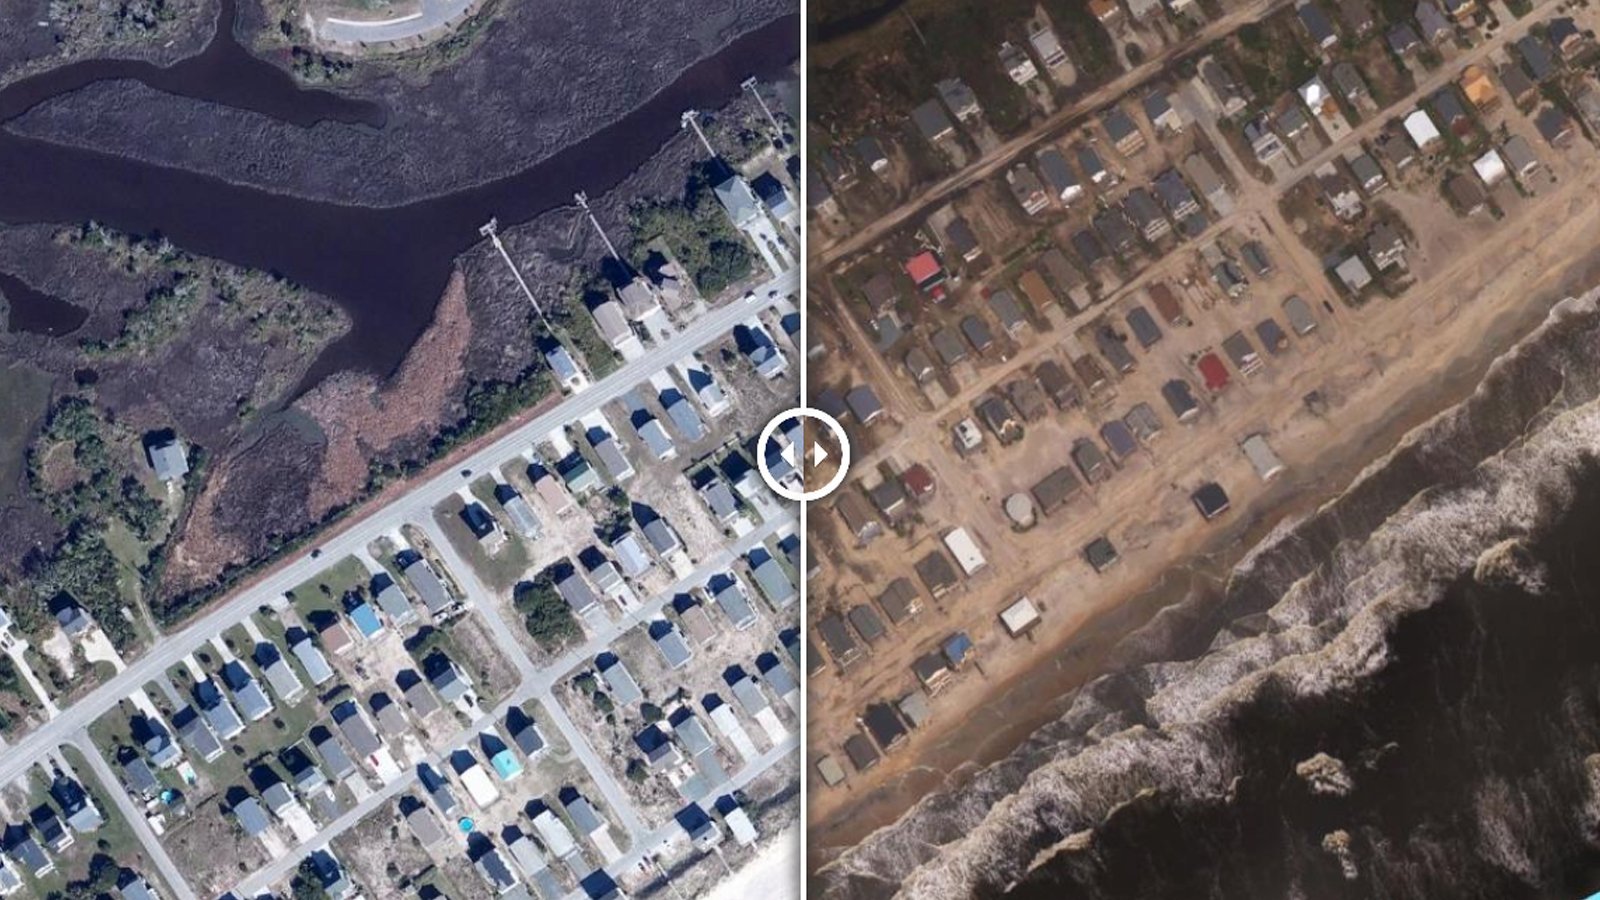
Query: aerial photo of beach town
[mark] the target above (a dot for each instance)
(380, 391)
(1221, 380)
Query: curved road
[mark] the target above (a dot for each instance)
(434, 14)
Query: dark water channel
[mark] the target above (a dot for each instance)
(385, 266)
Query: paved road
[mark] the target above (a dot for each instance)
(134, 816)
(434, 14)
(168, 651)
(537, 685)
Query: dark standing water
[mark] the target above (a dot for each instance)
(386, 267)
(37, 312)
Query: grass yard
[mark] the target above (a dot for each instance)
(27, 393)
(501, 570)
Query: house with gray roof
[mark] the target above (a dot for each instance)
(674, 649)
(279, 674)
(395, 604)
(133, 887)
(749, 695)
(518, 510)
(770, 578)
(730, 597)
(612, 459)
(684, 417)
(193, 731)
(251, 817)
(428, 586)
(137, 776)
(739, 201)
(253, 701)
(561, 364)
(625, 691)
(168, 459)
(76, 804)
(337, 763)
(424, 825)
(312, 660)
(931, 120)
(660, 536)
(655, 438)
(632, 558)
(448, 679)
(419, 696)
(356, 729)
(720, 500)
(218, 712)
(573, 589)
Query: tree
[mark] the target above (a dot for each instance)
(545, 615)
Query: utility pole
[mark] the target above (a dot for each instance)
(749, 84)
(691, 119)
(583, 204)
(491, 230)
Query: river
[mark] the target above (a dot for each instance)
(385, 266)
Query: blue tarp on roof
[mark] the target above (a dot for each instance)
(956, 648)
(366, 620)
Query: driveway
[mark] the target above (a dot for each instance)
(433, 15)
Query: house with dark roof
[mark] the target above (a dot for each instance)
(931, 120)
(1436, 28)
(1536, 57)
(1317, 25)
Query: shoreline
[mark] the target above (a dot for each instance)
(1014, 704)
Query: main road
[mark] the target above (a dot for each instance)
(430, 15)
(169, 650)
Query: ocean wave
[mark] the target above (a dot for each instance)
(1309, 614)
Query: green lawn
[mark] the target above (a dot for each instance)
(503, 569)
(323, 591)
(27, 393)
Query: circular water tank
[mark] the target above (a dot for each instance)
(1019, 509)
(466, 824)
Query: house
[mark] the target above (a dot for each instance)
(931, 120)
(1586, 98)
(390, 717)
(1058, 174)
(1436, 28)
(738, 201)
(729, 595)
(1210, 185)
(673, 648)
(132, 886)
(960, 241)
(858, 747)
(312, 660)
(1159, 110)
(1265, 144)
(1292, 122)
(1347, 81)
(1053, 491)
(1101, 554)
(1027, 189)
(583, 815)
(858, 520)
(609, 451)
(1403, 39)
(775, 196)
(1008, 311)
(927, 272)
(357, 731)
(1394, 148)
(75, 804)
(137, 776)
(885, 725)
(1477, 87)
(194, 732)
(1124, 134)
(1449, 111)
(424, 825)
(168, 459)
(1564, 35)
(1113, 228)
(1317, 26)
(900, 601)
(565, 370)
(251, 817)
(493, 869)
(720, 501)
(421, 699)
(1353, 274)
(959, 98)
(1519, 87)
(772, 580)
(1046, 45)
(1466, 195)
(156, 740)
(1519, 157)
(1490, 168)
(1210, 500)
(870, 149)
(74, 621)
(572, 588)
(1226, 92)
(1420, 128)
(1460, 10)
(1146, 214)
(639, 298)
(394, 602)
(1367, 173)
(624, 689)
(448, 679)
(613, 326)
(1385, 247)
(217, 711)
(1536, 58)
(1175, 194)
(520, 511)
(1555, 126)
(1017, 64)
(279, 674)
(337, 763)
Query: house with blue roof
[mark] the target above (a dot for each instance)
(506, 764)
(366, 620)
